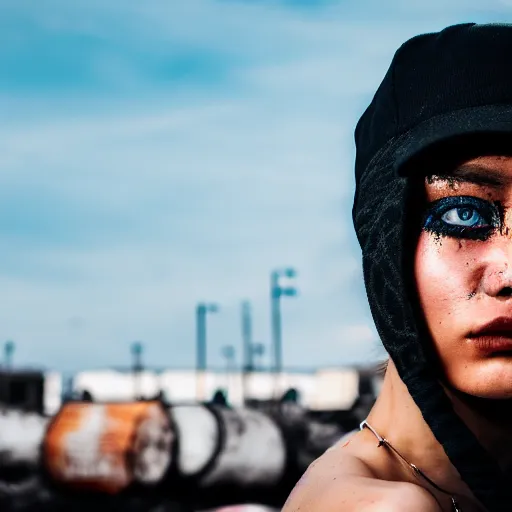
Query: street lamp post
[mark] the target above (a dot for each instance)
(137, 366)
(247, 363)
(9, 347)
(202, 310)
(228, 352)
(8, 353)
(247, 336)
(277, 290)
(257, 351)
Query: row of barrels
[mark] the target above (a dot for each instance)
(149, 456)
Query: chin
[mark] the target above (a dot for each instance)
(490, 378)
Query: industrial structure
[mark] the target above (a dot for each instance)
(324, 389)
(31, 390)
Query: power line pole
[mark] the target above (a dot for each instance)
(248, 350)
(278, 290)
(137, 366)
(202, 310)
(9, 348)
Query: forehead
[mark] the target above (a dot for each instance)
(496, 163)
(493, 171)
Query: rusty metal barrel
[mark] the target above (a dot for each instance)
(106, 447)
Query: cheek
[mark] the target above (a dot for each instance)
(451, 277)
(445, 278)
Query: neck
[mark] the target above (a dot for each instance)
(396, 417)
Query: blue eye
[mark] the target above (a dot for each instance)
(466, 216)
(462, 217)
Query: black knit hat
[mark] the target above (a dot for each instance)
(440, 87)
(446, 94)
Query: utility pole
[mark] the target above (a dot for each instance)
(248, 350)
(9, 348)
(137, 366)
(278, 290)
(228, 352)
(202, 310)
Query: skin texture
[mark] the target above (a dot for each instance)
(463, 283)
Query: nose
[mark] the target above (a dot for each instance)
(496, 279)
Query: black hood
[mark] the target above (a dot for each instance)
(446, 93)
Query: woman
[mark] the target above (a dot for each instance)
(433, 215)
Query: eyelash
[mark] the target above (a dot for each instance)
(435, 219)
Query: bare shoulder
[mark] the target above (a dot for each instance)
(340, 481)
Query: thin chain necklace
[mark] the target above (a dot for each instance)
(417, 471)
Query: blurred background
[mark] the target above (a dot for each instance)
(176, 185)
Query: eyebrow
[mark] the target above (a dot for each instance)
(473, 173)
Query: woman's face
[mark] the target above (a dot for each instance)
(463, 270)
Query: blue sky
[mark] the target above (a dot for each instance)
(159, 153)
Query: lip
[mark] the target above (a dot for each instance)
(494, 338)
